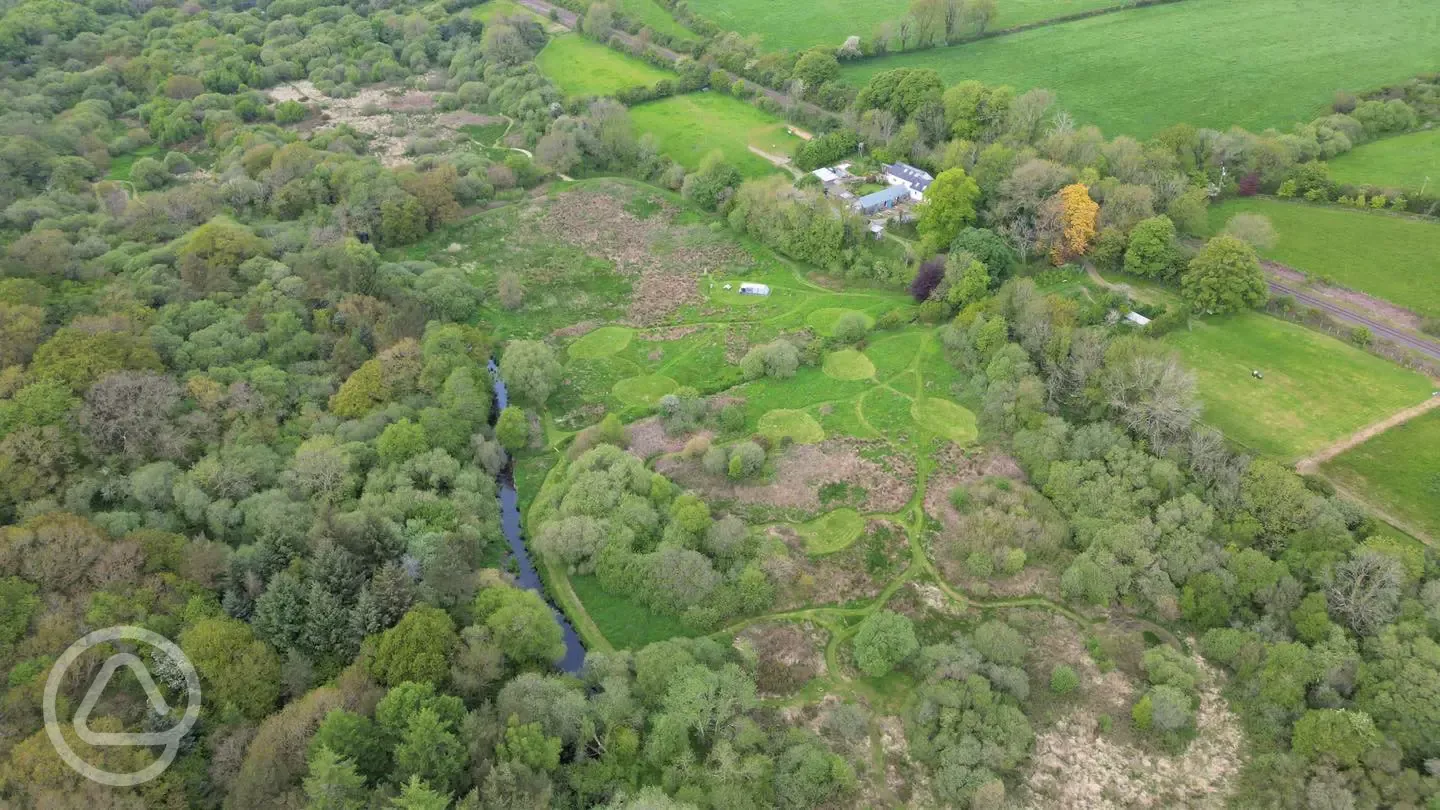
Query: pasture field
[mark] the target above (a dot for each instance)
(828, 22)
(1398, 471)
(583, 67)
(650, 13)
(1209, 63)
(1315, 390)
(691, 126)
(498, 9)
(1404, 161)
(1388, 256)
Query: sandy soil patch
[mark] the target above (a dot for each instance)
(802, 470)
(1076, 768)
(664, 261)
(789, 655)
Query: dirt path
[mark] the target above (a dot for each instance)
(1312, 463)
(782, 162)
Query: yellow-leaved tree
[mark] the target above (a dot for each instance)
(1072, 228)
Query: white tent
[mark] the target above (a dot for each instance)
(751, 288)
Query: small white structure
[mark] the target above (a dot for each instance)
(1137, 319)
(877, 228)
(751, 288)
(826, 175)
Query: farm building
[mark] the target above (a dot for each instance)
(913, 180)
(881, 200)
(751, 288)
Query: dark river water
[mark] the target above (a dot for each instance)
(511, 524)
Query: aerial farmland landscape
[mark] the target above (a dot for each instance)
(711, 404)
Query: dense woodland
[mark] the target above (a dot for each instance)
(232, 412)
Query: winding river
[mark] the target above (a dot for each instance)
(510, 523)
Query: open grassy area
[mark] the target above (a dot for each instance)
(650, 13)
(1398, 471)
(829, 22)
(1404, 161)
(1392, 257)
(691, 126)
(799, 426)
(624, 623)
(848, 364)
(603, 342)
(1316, 389)
(583, 67)
(1211, 63)
(120, 165)
(944, 418)
(832, 532)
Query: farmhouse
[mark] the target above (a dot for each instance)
(913, 180)
(881, 200)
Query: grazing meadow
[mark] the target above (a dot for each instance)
(691, 126)
(1398, 471)
(1208, 63)
(829, 22)
(1389, 256)
(1315, 389)
(583, 67)
(1410, 162)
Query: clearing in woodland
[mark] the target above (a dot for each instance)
(583, 67)
(1315, 389)
(1207, 63)
(690, 127)
(1389, 256)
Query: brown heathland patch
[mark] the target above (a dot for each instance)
(664, 260)
(833, 578)
(788, 654)
(802, 470)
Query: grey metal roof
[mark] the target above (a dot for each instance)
(891, 194)
(918, 179)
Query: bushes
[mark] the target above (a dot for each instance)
(779, 359)
(826, 149)
(884, 640)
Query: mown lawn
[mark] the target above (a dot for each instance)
(799, 25)
(1316, 390)
(1392, 257)
(1404, 161)
(583, 67)
(689, 127)
(1398, 471)
(1210, 63)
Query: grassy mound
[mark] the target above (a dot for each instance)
(832, 532)
(848, 364)
(602, 342)
(645, 390)
(800, 426)
(944, 418)
(824, 320)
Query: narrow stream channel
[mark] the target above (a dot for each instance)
(510, 523)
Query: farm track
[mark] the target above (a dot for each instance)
(1312, 463)
(1424, 346)
(571, 20)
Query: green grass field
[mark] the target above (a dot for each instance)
(624, 623)
(848, 364)
(829, 22)
(583, 67)
(1392, 257)
(650, 13)
(689, 127)
(944, 418)
(1404, 161)
(1316, 389)
(832, 532)
(799, 426)
(1210, 63)
(1398, 471)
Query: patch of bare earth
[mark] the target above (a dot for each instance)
(1076, 768)
(576, 330)
(648, 438)
(789, 655)
(802, 470)
(388, 114)
(664, 261)
(802, 580)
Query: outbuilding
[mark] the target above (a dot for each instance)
(1137, 319)
(881, 200)
(751, 288)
